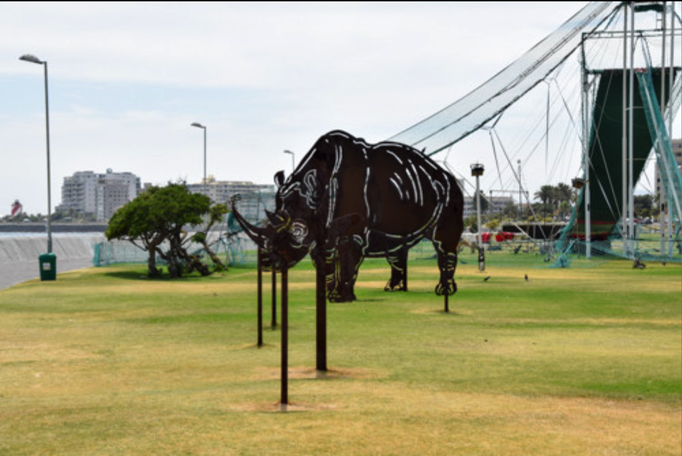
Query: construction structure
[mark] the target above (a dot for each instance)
(624, 61)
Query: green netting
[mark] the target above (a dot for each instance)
(670, 173)
(648, 247)
(606, 175)
(231, 248)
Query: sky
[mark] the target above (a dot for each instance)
(126, 81)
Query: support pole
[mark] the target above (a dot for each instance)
(405, 269)
(586, 159)
(631, 97)
(670, 113)
(662, 101)
(321, 311)
(49, 183)
(285, 336)
(447, 303)
(624, 137)
(260, 299)
(273, 323)
(518, 162)
(481, 258)
(477, 172)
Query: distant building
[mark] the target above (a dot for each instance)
(253, 199)
(100, 195)
(495, 205)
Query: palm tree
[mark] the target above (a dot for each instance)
(563, 193)
(546, 195)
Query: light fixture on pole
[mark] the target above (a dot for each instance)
(477, 172)
(198, 125)
(33, 59)
(293, 160)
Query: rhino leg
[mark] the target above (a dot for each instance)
(348, 260)
(398, 280)
(447, 263)
(446, 242)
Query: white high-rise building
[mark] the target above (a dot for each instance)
(87, 192)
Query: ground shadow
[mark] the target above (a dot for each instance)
(137, 275)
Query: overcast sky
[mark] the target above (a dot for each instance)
(126, 80)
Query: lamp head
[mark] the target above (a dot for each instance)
(31, 58)
(198, 125)
(477, 169)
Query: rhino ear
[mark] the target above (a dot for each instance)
(279, 178)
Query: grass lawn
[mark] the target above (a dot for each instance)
(579, 361)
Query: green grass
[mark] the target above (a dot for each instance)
(577, 361)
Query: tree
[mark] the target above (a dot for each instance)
(493, 223)
(545, 194)
(471, 224)
(215, 215)
(158, 215)
(563, 193)
(643, 205)
(555, 199)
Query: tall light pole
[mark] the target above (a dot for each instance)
(477, 172)
(293, 160)
(518, 162)
(198, 125)
(36, 60)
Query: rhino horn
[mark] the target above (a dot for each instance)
(275, 219)
(279, 178)
(257, 234)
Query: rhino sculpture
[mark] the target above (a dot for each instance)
(347, 200)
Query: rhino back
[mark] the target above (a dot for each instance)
(406, 192)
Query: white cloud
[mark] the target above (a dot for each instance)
(127, 79)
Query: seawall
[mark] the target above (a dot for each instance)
(56, 228)
(19, 254)
(16, 248)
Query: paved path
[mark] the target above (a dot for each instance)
(14, 273)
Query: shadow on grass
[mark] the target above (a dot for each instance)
(142, 276)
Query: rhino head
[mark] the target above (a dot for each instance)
(291, 230)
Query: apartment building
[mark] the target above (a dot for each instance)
(252, 199)
(87, 192)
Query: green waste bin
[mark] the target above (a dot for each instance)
(48, 266)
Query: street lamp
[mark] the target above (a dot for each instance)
(293, 161)
(477, 172)
(198, 125)
(36, 60)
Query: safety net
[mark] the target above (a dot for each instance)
(469, 113)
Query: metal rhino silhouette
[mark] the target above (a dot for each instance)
(347, 200)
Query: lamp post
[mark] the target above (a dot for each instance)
(36, 60)
(198, 125)
(293, 160)
(477, 172)
(518, 162)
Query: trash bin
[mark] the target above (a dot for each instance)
(48, 266)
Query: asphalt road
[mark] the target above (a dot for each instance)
(18, 272)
